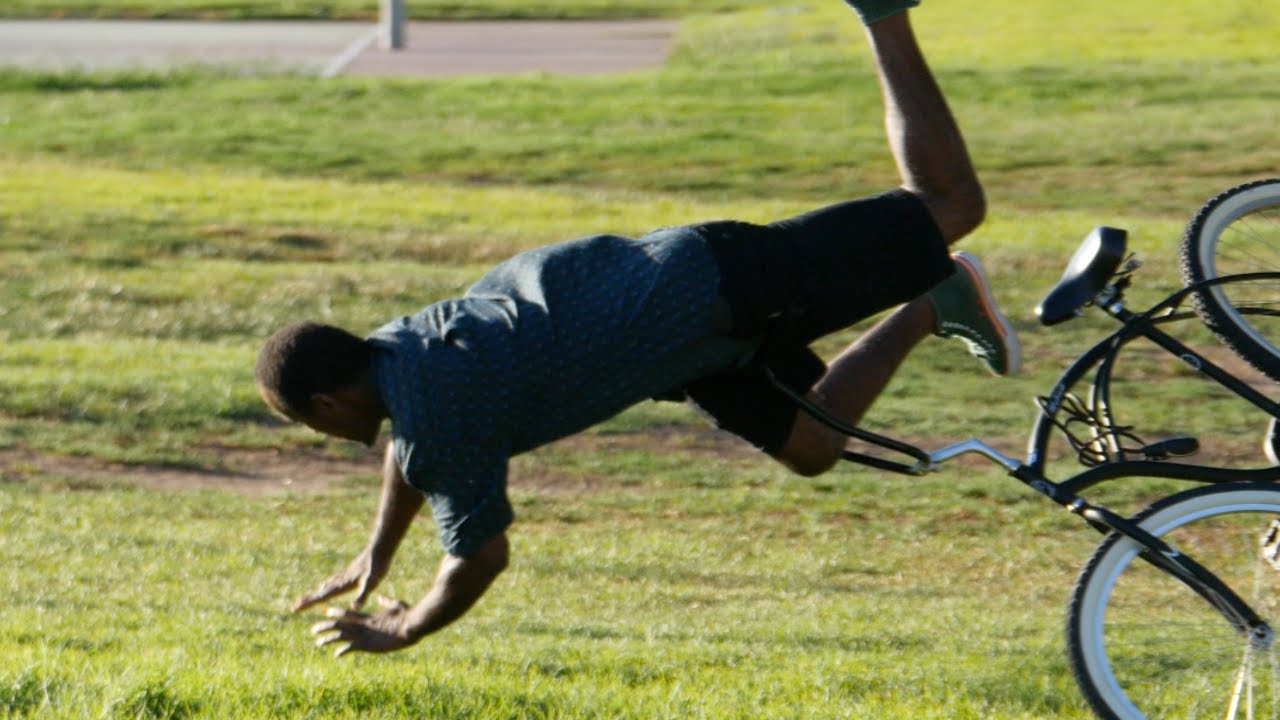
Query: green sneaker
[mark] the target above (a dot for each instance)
(871, 11)
(966, 310)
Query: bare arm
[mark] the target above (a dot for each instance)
(398, 507)
(458, 585)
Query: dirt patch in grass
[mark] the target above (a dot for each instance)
(262, 471)
(242, 470)
(271, 471)
(267, 471)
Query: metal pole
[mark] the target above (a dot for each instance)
(391, 22)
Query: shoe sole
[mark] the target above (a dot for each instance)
(1013, 348)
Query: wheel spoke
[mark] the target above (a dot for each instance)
(1243, 680)
(1145, 645)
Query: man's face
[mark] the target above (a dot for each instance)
(338, 414)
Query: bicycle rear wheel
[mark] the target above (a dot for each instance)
(1239, 232)
(1144, 645)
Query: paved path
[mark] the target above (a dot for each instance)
(434, 48)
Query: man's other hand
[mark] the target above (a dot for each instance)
(383, 631)
(363, 574)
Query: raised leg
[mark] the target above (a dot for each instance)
(931, 155)
(934, 164)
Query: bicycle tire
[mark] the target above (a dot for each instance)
(1144, 645)
(1238, 232)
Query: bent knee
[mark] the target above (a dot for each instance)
(811, 451)
(809, 466)
(958, 211)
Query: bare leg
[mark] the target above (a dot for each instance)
(926, 142)
(852, 383)
(934, 164)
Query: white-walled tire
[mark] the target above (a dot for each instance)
(1144, 645)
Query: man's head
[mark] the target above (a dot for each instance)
(320, 375)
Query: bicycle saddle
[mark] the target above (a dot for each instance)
(1087, 274)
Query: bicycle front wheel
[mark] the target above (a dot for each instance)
(1144, 645)
(1239, 232)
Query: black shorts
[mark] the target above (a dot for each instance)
(796, 280)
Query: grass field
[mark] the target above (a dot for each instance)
(154, 227)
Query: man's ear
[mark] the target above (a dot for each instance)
(323, 403)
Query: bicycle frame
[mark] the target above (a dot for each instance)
(1103, 355)
(1113, 465)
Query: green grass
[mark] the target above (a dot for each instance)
(154, 227)
(648, 599)
(758, 105)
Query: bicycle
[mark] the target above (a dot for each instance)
(1187, 632)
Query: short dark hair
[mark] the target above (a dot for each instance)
(306, 358)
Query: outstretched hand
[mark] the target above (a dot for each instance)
(380, 632)
(363, 574)
(458, 584)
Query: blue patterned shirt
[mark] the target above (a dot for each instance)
(546, 344)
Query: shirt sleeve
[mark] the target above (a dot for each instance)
(443, 384)
(468, 500)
